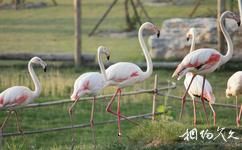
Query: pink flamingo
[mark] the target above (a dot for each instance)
(124, 74)
(20, 95)
(205, 60)
(196, 86)
(90, 83)
(234, 88)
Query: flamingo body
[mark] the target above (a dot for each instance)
(234, 84)
(201, 61)
(196, 89)
(16, 96)
(90, 83)
(124, 74)
(234, 88)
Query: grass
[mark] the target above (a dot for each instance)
(57, 84)
(50, 29)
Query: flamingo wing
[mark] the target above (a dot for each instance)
(123, 71)
(199, 61)
(88, 83)
(196, 87)
(15, 96)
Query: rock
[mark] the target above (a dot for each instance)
(172, 41)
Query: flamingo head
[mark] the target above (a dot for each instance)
(75, 95)
(152, 27)
(37, 60)
(105, 51)
(232, 15)
(190, 33)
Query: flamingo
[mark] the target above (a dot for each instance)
(234, 88)
(90, 83)
(196, 86)
(123, 74)
(205, 60)
(21, 95)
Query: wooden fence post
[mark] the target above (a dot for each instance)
(221, 40)
(154, 98)
(77, 20)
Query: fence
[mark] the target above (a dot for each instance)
(156, 91)
(153, 91)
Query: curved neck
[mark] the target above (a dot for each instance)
(229, 53)
(149, 69)
(37, 85)
(193, 42)
(101, 65)
(240, 8)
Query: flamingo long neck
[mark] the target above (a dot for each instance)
(193, 42)
(101, 65)
(149, 69)
(240, 8)
(229, 53)
(37, 85)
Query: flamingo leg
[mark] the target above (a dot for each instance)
(108, 108)
(194, 112)
(240, 114)
(237, 117)
(202, 98)
(184, 97)
(70, 110)
(17, 122)
(92, 122)
(118, 112)
(214, 114)
(5, 121)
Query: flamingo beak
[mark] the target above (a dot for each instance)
(108, 57)
(45, 68)
(158, 34)
(239, 22)
(188, 38)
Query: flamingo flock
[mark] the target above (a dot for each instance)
(195, 66)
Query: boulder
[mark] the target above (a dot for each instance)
(172, 42)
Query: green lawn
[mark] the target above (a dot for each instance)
(51, 29)
(57, 84)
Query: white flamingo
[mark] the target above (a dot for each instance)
(90, 83)
(234, 88)
(21, 95)
(124, 74)
(196, 86)
(205, 60)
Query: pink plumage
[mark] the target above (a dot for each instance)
(196, 88)
(201, 61)
(90, 83)
(20, 95)
(124, 74)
